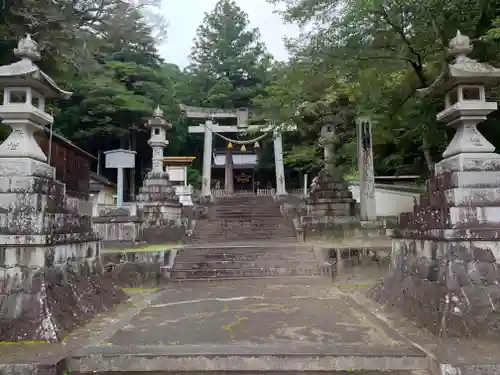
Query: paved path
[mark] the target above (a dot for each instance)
(254, 325)
(272, 325)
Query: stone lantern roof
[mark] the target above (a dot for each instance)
(462, 69)
(26, 73)
(157, 120)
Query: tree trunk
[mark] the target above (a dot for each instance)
(427, 156)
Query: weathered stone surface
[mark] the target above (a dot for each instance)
(245, 237)
(134, 269)
(280, 326)
(330, 196)
(48, 303)
(445, 263)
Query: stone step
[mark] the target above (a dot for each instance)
(243, 273)
(248, 215)
(251, 359)
(242, 259)
(244, 229)
(198, 240)
(237, 231)
(249, 249)
(261, 264)
(250, 256)
(241, 224)
(253, 207)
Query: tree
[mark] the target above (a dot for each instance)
(382, 51)
(228, 62)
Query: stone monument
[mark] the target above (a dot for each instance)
(367, 202)
(444, 262)
(49, 258)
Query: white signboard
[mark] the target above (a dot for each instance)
(176, 174)
(120, 159)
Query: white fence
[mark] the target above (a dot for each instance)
(391, 200)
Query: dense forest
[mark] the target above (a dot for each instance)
(358, 56)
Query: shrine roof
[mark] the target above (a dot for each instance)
(59, 138)
(101, 179)
(26, 73)
(178, 160)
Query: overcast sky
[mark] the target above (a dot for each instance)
(184, 16)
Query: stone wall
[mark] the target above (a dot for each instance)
(136, 269)
(48, 303)
(129, 226)
(444, 269)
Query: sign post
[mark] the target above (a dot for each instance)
(120, 159)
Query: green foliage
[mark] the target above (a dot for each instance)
(194, 177)
(228, 62)
(378, 52)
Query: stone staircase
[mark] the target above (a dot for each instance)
(243, 218)
(246, 236)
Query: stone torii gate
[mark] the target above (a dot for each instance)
(241, 115)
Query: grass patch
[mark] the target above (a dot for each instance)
(143, 249)
(27, 342)
(140, 290)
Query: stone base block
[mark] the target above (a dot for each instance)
(163, 234)
(17, 167)
(452, 288)
(38, 190)
(45, 223)
(469, 162)
(110, 229)
(17, 259)
(46, 304)
(135, 269)
(154, 211)
(47, 239)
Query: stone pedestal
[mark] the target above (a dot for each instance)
(185, 194)
(158, 199)
(330, 196)
(445, 254)
(161, 208)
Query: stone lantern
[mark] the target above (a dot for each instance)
(463, 83)
(446, 252)
(25, 90)
(157, 195)
(46, 244)
(327, 134)
(158, 141)
(329, 195)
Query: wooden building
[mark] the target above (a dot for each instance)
(73, 165)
